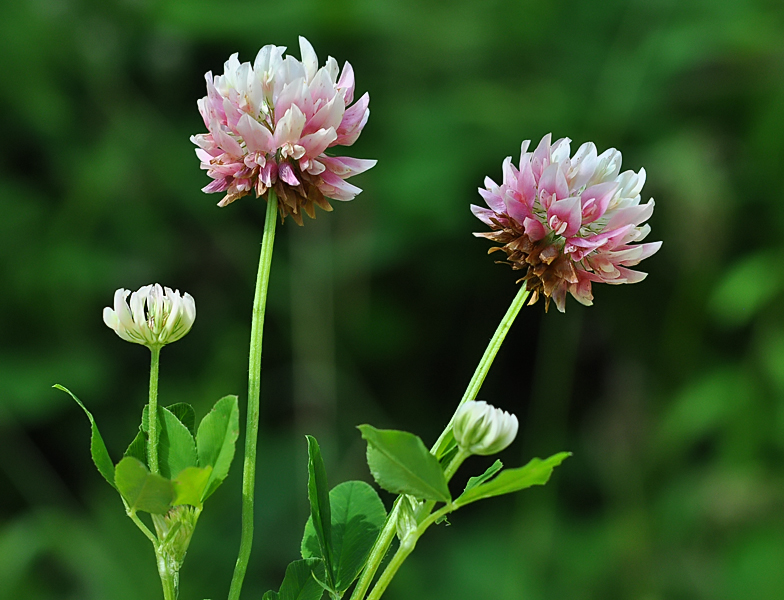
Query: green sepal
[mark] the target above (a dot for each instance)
(141, 489)
(320, 513)
(447, 446)
(401, 464)
(98, 451)
(216, 439)
(536, 472)
(190, 486)
(357, 516)
(302, 581)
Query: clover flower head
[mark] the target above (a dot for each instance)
(156, 316)
(480, 428)
(568, 221)
(270, 124)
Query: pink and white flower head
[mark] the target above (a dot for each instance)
(155, 317)
(568, 221)
(270, 124)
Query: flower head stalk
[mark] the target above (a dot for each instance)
(480, 428)
(568, 221)
(155, 317)
(270, 124)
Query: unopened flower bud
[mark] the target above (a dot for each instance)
(480, 428)
(156, 316)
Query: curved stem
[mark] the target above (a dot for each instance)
(152, 446)
(377, 553)
(406, 547)
(254, 387)
(388, 532)
(486, 361)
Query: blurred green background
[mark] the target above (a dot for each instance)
(670, 393)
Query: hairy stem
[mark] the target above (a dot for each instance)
(254, 387)
(152, 446)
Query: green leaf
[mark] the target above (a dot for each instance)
(401, 464)
(491, 470)
(138, 448)
(98, 449)
(216, 438)
(185, 414)
(176, 447)
(183, 411)
(301, 581)
(318, 496)
(141, 489)
(357, 518)
(190, 486)
(536, 472)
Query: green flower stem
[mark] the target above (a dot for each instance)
(152, 447)
(377, 553)
(406, 547)
(254, 387)
(169, 576)
(388, 532)
(455, 463)
(140, 524)
(487, 360)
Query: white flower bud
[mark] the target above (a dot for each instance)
(156, 316)
(480, 428)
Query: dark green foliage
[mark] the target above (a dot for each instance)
(300, 582)
(357, 516)
(670, 392)
(401, 464)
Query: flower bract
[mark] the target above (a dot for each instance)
(155, 317)
(480, 428)
(568, 221)
(270, 124)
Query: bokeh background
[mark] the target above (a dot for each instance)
(670, 393)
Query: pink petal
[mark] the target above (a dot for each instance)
(483, 214)
(257, 137)
(541, 157)
(289, 128)
(336, 188)
(269, 173)
(346, 83)
(354, 120)
(225, 141)
(526, 184)
(633, 215)
(635, 254)
(564, 217)
(596, 199)
(316, 143)
(493, 200)
(515, 207)
(293, 94)
(534, 229)
(583, 166)
(553, 181)
(345, 166)
(329, 115)
(286, 173)
(217, 185)
(309, 58)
